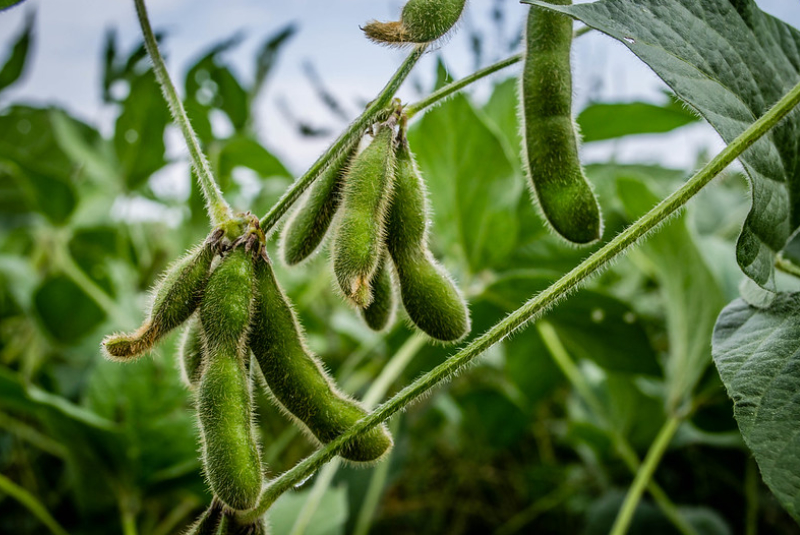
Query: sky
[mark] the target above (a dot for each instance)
(65, 66)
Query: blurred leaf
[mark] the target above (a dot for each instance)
(474, 193)
(5, 4)
(530, 367)
(328, 519)
(729, 98)
(139, 131)
(756, 352)
(65, 311)
(600, 120)
(691, 294)
(15, 64)
(490, 417)
(247, 152)
(91, 247)
(267, 56)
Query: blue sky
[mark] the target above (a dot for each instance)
(66, 62)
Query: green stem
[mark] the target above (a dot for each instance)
(351, 135)
(644, 475)
(32, 504)
(787, 266)
(533, 308)
(626, 452)
(218, 209)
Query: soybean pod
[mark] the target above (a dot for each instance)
(380, 312)
(190, 353)
(224, 405)
(429, 295)
(358, 243)
(308, 225)
(550, 141)
(297, 380)
(422, 21)
(176, 298)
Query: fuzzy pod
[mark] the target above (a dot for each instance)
(308, 225)
(297, 380)
(230, 525)
(224, 398)
(430, 297)
(550, 149)
(209, 521)
(422, 21)
(358, 243)
(176, 297)
(190, 353)
(380, 312)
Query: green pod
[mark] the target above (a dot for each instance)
(429, 295)
(550, 148)
(358, 242)
(380, 312)
(297, 380)
(308, 225)
(422, 21)
(224, 399)
(190, 353)
(175, 299)
(209, 521)
(230, 525)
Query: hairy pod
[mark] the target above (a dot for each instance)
(176, 298)
(429, 295)
(209, 521)
(380, 312)
(190, 353)
(230, 525)
(296, 378)
(358, 242)
(422, 21)
(550, 148)
(308, 225)
(224, 403)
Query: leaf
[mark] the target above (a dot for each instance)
(139, 131)
(15, 64)
(267, 56)
(605, 120)
(730, 61)
(65, 311)
(757, 353)
(247, 152)
(328, 519)
(5, 4)
(473, 191)
(692, 296)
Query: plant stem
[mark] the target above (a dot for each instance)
(350, 136)
(643, 477)
(626, 452)
(218, 209)
(533, 308)
(32, 504)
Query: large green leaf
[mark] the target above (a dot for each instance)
(15, 64)
(471, 182)
(606, 120)
(757, 353)
(691, 294)
(730, 61)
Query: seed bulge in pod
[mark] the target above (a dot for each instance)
(550, 150)
(224, 399)
(190, 353)
(358, 242)
(429, 295)
(380, 313)
(297, 380)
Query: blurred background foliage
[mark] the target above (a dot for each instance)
(533, 438)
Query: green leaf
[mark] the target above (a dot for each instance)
(139, 131)
(692, 296)
(604, 120)
(473, 191)
(730, 61)
(15, 64)
(5, 4)
(328, 519)
(757, 353)
(268, 54)
(65, 311)
(247, 152)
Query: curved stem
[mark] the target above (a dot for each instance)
(218, 209)
(533, 308)
(644, 475)
(350, 136)
(32, 504)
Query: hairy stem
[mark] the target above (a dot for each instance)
(354, 131)
(624, 449)
(644, 475)
(32, 504)
(218, 209)
(533, 308)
